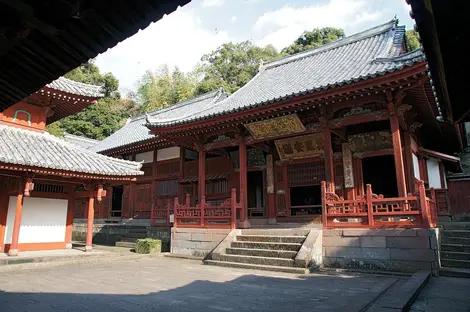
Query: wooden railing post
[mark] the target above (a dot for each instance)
(422, 204)
(433, 209)
(203, 204)
(370, 209)
(323, 204)
(233, 206)
(175, 207)
(168, 212)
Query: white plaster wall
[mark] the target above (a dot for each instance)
(43, 220)
(168, 153)
(416, 167)
(146, 157)
(434, 175)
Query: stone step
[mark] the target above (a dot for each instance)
(456, 225)
(125, 244)
(456, 240)
(128, 239)
(135, 235)
(271, 238)
(456, 233)
(270, 246)
(452, 263)
(262, 252)
(257, 260)
(293, 270)
(455, 272)
(276, 232)
(455, 255)
(455, 247)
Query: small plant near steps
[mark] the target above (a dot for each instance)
(271, 250)
(148, 245)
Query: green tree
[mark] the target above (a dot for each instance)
(232, 65)
(412, 39)
(312, 39)
(101, 119)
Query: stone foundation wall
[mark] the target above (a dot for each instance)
(109, 234)
(405, 250)
(196, 242)
(142, 222)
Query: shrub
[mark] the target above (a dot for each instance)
(148, 245)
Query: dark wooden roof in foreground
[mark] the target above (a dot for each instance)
(42, 40)
(444, 32)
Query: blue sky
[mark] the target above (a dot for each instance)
(181, 38)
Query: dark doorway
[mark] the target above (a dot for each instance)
(116, 203)
(379, 171)
(305, 200)
(255, 193)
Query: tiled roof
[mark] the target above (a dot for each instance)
(135, 130)
(66, 85)
(365, 55)
(38, 149)
(80, 140)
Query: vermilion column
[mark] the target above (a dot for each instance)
(270, 189)
(244, 223)
(329, 165)
(398, 155)
(16, 225)
(202, 176)
(91, 216)
(69, 222)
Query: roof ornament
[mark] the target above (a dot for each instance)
(261, 66)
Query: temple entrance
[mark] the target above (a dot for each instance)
(379, 171)
(305, 200)
(116, 201)
(256, 194)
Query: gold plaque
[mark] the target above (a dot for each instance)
(301, 147)
(275, 127)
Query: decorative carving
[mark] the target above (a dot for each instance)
(275, 127)
(301, 147)
(227, 203)
(357, 111)
(415, 126)
(403, 108)
(347, 166)
(332, 197)
(281, 205)
(222, 138)
(370, 141)
(314, 127)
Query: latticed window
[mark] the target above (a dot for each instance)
(48, 188)
(306, 174)
(217, 187)
(167, 188)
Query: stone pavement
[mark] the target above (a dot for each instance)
(165, 284)
(444, 294)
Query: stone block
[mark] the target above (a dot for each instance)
(418, 242)
(182, 243)
(426, 255)
(379, 232)
(377, 264)
(333, 232)
(423, 232)
(182, 251)
(373, 241)
(376, 253)
(181, 236)
(334, 241)
(200, 237)
(218, 237)
(344, 252)
(208, 246)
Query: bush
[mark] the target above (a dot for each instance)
(148, 245)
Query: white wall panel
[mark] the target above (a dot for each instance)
(43, 221)
(434, 176)
(168, 153)
(416, 167)
(146, 157)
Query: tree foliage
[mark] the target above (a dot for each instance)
(98, 120)
(312, 39)
(232, 65)
(412, 39)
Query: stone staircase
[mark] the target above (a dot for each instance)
(270, 250)
(128, 240)
(455, 245)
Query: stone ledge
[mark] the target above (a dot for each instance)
(380, 232)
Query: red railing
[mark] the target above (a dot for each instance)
(161, 215)
(375, 211)
(441, 196)
(205, 215)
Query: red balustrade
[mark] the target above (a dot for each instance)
(161, 214)
(204, 215)
(375, 211)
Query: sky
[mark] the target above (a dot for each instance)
(182, 37)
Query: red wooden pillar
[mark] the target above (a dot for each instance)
(398, 155)
(244, 223)
(329, 162)
(202, 182)
(410, 174)
(69, 220)
(270, 189)
(17, 223)
(91, 215)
